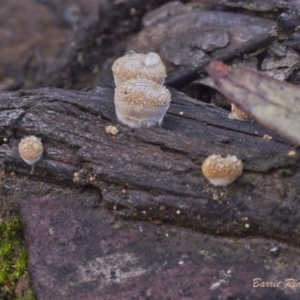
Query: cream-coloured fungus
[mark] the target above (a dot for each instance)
(222, 171)
(238, 114)
(113, 130)
(135, 65)
(31, 150)
(141, 102)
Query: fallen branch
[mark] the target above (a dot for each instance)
(155, 173)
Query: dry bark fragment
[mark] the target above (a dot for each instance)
(158, 166)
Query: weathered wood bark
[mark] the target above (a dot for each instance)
(155, 173)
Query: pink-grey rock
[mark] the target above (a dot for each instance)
(80, 250)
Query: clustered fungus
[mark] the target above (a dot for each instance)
(222, 171)
(31, 150)
(113, 130)
(238, 114)
(141, 100)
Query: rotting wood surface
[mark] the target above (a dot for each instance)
(155, 173)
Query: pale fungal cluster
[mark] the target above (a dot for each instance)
(113, 130)
(238, 114)
(140, 99)
(31, 150)
(222, 171)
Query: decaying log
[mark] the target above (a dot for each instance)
(155, 173)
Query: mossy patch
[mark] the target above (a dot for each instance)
(14, 280)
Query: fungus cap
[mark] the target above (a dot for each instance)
(31, 149)
(134, 65)
(113, 130)
(238, 114)
(141, 103)
(222, 171)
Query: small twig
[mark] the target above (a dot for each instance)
(286, 25)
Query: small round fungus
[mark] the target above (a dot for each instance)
(113, 130)
(31, 149)
(222, 171)
(237, 114)
(141, 103)
(134, 65)
(292, 153)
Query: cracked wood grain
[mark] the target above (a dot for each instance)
(140, 171)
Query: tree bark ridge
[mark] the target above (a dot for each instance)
(155, 173)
